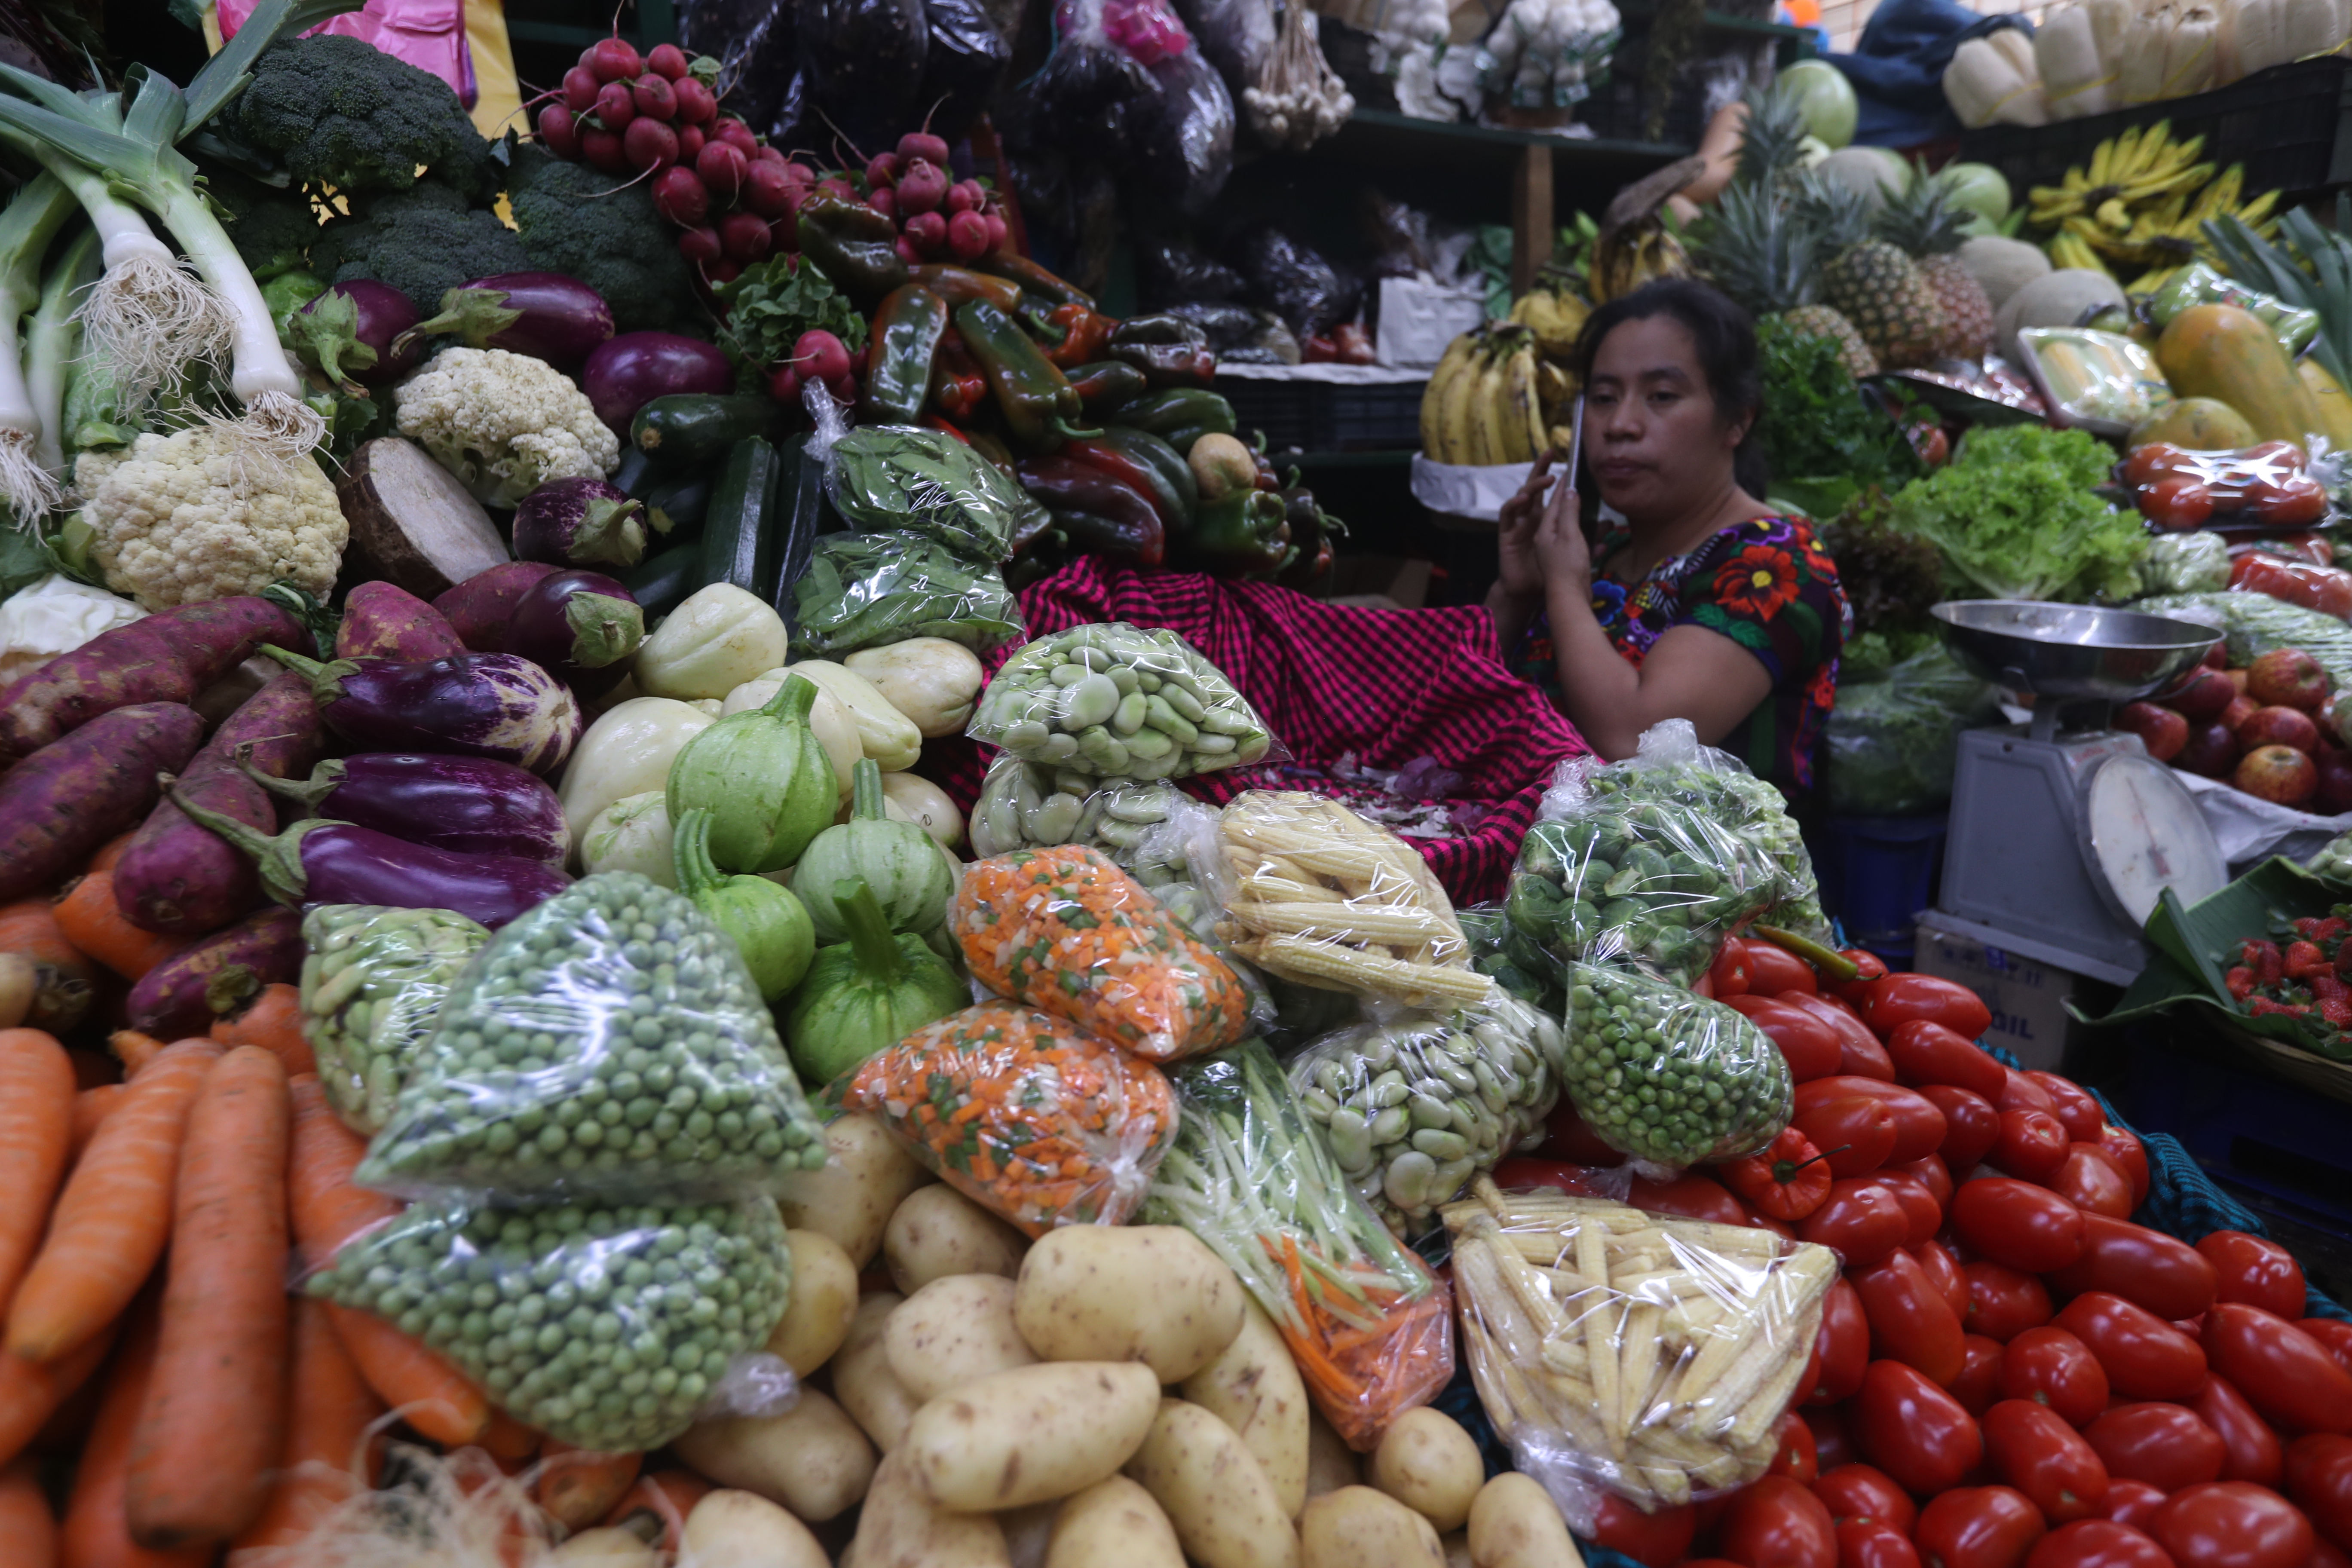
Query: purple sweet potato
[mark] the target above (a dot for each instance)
(177, 878)
(217, 975)
(73, 796)
(381, 621)
(166, 657)
(481, 606)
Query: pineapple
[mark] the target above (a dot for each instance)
(1926, 222)
(1869, 281)
(1754, 249)
(1770, 147)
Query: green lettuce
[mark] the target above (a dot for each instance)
(2016, 519)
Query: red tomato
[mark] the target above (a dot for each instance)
(2282, 1371)
(1774, 970)
(2091, 1182)
(2232, 1524)
(2097, 1543)
(1843, 1345)
(2327, 1555)
(1807, 1043)
(1978, 1527)
(2030, 1447)
(1934, 1175)
(1859, 1054)
(2144, 1266)
(1832, 1444)
(1912, 1430)
(2072, 1104)
(1909, 1321)
(1979, 1388)
(1777, 1524)
(1653, 1540)
(1758, 1220)
(1918, 1126)
(2257, 1272)
(2144, 1356)
(2255, 1453)
(2320, 1478)
(2002, 1302)
(1943, 1271)
(2334, 1337)
(1566, 1137)
(2176, 503)
(2130, 1158)
(1972, 1125)
(1872, 1543)
(1526, 1173)
(1690, 1194)
(2163, 1444)
(2032, 1145)
(2017, 1224)
(2022, 1093)
(1919, 1205)
(1868, 965)
(1901, 998)
(1862, 1222)
(1855, 1133)
(2052, 1367)
(2133, 1503)
(1793, 1454)
(1865, 1491)
(1727, 975)
(1926, 1052)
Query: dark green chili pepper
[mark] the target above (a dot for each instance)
(851, 245)
(1184, 412)
(1036, 281)
(1108, 387)
(1031, 393)
(908, 327)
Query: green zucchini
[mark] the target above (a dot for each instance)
(678, 503)
(803, 514)
(634, 474)
(690, 429)
(661, 583)
(739, 545)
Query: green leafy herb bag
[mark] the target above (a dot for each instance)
(887, 477)
(1892, 743)
(866, 590)
(610, 1044)
(373, 985)
(1667, 1076)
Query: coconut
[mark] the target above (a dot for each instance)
(1876, 172)
(2061, 299)
(2002, 266)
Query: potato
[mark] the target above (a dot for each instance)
(1513, 1523)
(1151, 1293)
(901, 1528)
(604, 1548)
(862, 1378)
(1330, 1463)
(1213, 1491)
(824, 1299)
(1113, 1523)
(1356, 1527)
(953, 1330)
(854, 1197)
(1029, 1435)
(1253, 1387)
(1429, 1464)
(938, 1231)
(812, 1458)
(736, 1530)
(1027, 1530)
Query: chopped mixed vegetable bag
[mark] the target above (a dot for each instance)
(609, 1043)
(607, 1328)
(866, 590)
(1023, 1114)
(373, 985)
(1666, 1076)
(1119, 702)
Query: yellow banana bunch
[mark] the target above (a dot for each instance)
(1436, 437)
(1483, 405)
(1554, 316)
(2126, 172)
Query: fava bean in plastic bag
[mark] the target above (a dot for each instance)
(1029, 805)
(1668, 1077)
(373, 985)
(1023, 1114)
(1632, 1353)
(1065, 931)
(607, 1328)
(609, 1043)
(1116, 700)
(866, 590)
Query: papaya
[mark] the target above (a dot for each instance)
(2223, 353)
(2199, 423)
(2335, 403)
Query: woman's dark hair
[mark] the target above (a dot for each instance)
(1726, 339)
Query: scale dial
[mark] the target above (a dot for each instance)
(2143, 833)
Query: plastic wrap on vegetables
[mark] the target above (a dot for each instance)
(373, 985)
(1632, 1353)
(2187, 564)
(1414, 1107)
(1503, 955)
(1065, 931)
(1116, 700)
(1665, 1076)
(607, 1328)
(1030, 805)
(889, 478)
(866, 590)
(1891, 744)
(609, 1043)
(1023, 1114)
(1368, 1323)
(2255, 623)
(2335, 860)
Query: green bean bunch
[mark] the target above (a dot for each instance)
(1666, 1076)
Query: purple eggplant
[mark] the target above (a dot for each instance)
(632, 370)
(467, 806)
(580, 626)
(544, 314)
(356, 334)
(324, 862)
(472, 704)
(481, 606)
(580, 522)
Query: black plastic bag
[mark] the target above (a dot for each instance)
(1175, 272)
(1237, 36)
(759, 49)
(863, 61)
(966, 60)
(1294, 283)
(1181, 133)
(1085, 79)
(1238, 334)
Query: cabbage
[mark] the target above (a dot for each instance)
(1827, 99)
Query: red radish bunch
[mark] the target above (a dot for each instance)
(817, 355)
(940, 219)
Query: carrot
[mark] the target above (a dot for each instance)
(36, 1127)
(31, 1392)
(577, 1486)
(91, 1108)
(327, 1455)
(273, 1021)
(667, 1497)
(61, 972)
(110, 854)
(89, 918)
(29, 1532)
(133, 1050)
(431, 1395)
(115, 1214)
(509, 1441)
(328, 1209)
(96, 1531)
(216, 1412)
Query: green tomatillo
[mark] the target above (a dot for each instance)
(765, 778)
(866, 993)
(767, 923)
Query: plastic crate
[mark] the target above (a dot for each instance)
(2291, 126)
(1877, 873)
(2262, 1134)
(1326, 417)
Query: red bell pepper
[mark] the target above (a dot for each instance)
(1788, 1181)
(1084, 334)
(957, 387)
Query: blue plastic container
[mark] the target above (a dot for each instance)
(2279, 1141)
(1877, 873)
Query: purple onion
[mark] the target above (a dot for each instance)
(544, 314)
(580, 522)
(350, 316)
(467, 806)
(470, 704)
(628, 372)
(582, 627)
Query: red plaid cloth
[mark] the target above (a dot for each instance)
(1388, 685)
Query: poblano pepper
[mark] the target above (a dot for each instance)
(851, 243)
(1169, 350)
(1179, 415)
(1031, 393)
(1137, 474)
(1034, 281)
(908, 327)
(956, 284)
(1241, 534)
(1106, 386)
(1118, 539)
(1130, 526)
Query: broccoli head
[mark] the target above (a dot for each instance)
(273, 230)
(340, 112)
(422, 241)
(573, 220)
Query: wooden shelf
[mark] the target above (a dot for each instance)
(1341, 459)
(1376, 129)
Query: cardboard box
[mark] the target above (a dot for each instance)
(2027, 994)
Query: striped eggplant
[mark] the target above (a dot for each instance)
(470, 704)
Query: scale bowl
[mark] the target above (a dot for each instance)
(2073, 652)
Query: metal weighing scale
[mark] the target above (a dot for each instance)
(2065, 831)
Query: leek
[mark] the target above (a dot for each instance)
(52, 338)
(27, 227)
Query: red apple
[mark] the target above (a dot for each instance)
(2334, 796)
(2276, 726)
(2202, 696)
(2288, 677)
(2162, 730)
(2280, 774)
(2211, 750)
(2218, 656)
(2237, 679)
(2241, 709)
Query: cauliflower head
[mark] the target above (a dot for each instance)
(200, 514)
(505, 423)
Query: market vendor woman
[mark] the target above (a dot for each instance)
(1703, 604)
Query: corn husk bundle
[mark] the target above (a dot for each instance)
(1994, 80)
(2077, 77)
